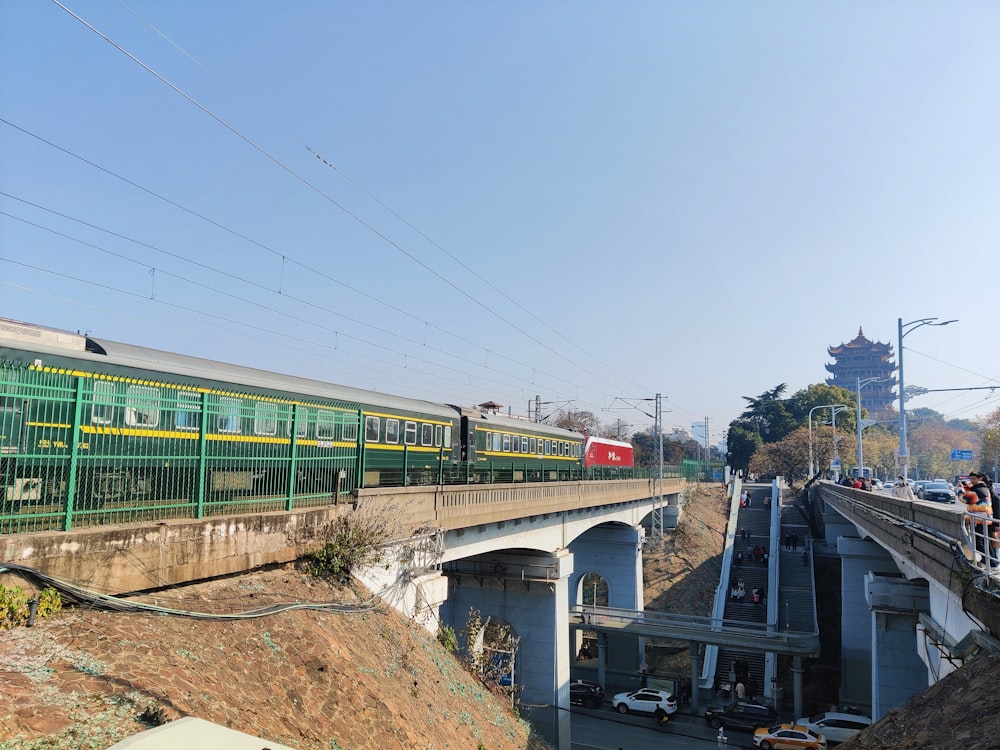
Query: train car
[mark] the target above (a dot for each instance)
(604, 458)
(86, 422)
(506, 449)
(606, 452)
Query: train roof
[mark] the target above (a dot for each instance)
(513, 424)
(609, 441)
(41, 340)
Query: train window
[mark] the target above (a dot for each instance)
(188, 414)
(372, 425)
(351, 430)
(524, 445)
(515, 444)
(487, 440)
(548, 447)
(265, 418)
(410, 433)
(497, 441)
(562, 448)
(532, 445)
(392, 431)
(103, 410)
(142, 406)
(437, 435)
(325, 424)
(229, 415)
(447, 436)
(506, 443)
(427, 434)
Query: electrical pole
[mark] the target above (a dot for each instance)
(657, 415)
(657, 521)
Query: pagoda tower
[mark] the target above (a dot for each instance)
(865, 359)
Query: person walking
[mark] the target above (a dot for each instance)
(902, 489)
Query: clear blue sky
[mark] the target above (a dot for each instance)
(585, 201)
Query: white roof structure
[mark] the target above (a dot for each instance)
(192, 733)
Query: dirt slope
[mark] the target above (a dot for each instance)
(314, 680)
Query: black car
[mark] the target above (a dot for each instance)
(747, 716)
(940, 492)
(586, 694)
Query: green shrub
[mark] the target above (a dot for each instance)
(49, 602)
(350, 542)
(15, 606)
(447, 638)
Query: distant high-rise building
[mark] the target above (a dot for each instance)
(865, 359)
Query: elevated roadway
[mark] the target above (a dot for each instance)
(916, 598)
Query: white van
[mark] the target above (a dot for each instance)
(835, 727)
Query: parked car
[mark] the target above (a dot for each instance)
(939, 492)
(645, 701)
(836, 727)
(746, 716)
(788, 737)
(586, 694)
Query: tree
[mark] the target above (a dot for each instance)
(820, 394)
(743, 443)
(989, 428)
(788, 457)
(585, 422)
(768, 415)
(930, 444)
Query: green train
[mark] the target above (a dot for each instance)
(107, 431)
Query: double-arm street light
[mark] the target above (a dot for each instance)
(812, 467)
(904, 329)
(861, 454)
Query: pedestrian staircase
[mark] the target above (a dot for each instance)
(796, 605)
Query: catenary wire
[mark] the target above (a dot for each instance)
(315, 188)
(326, 162)
(534, 369)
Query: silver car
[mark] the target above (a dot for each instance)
(834, 726)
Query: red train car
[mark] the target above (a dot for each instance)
(604, 452)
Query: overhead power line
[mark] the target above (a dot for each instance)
(315, 188)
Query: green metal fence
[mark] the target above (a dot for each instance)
(82, 449)
(79, 449)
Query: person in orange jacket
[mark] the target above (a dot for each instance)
(976, 496)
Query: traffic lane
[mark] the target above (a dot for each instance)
(606, 729)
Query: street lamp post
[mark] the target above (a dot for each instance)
(905, 328)
(812, 468)
(861, 454)
(833, 427)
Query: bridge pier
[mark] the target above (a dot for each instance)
(898, 671)
(858, 558)
(529, 592)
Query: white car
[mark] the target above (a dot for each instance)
(644, 701)
(835, 727)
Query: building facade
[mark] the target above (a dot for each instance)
(864, 359)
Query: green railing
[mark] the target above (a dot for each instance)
(79, 450)
(83, 450)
